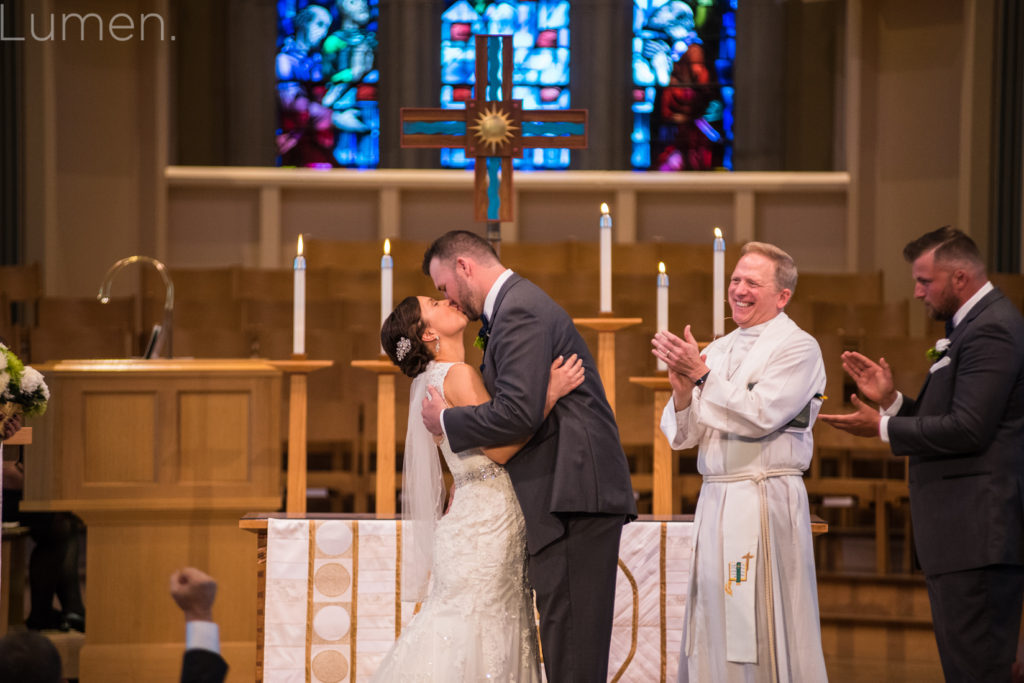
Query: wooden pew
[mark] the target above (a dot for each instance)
(862, 288)
(83, 328)
(20, 288)
(860, 319)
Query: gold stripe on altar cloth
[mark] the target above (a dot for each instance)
(635, 622)
(662, 589)
(398, 579)
(355, 599)
(311, 551)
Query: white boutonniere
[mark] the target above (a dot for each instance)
(939, 350)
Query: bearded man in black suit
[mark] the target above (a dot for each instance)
(964, 435)
(571, 479)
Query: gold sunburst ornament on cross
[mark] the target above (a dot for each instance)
(493, 127)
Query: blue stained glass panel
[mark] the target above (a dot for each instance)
(540, 39)
(327, 84)
(683, 54)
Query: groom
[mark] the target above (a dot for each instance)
(571, 479)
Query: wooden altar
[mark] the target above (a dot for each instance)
(159, 458)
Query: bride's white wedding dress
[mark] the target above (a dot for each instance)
(477, 622)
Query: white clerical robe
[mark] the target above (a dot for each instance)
(752, 420)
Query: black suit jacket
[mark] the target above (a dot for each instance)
(203, 666)
(574, 461)
(965, 438)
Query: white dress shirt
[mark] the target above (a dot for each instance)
(488, 312)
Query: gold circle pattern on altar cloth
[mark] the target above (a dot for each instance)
(332, 579)
(329, 666)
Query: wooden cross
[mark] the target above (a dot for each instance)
(493, 129)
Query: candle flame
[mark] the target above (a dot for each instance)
(387, 247)
(661, 266)
(718, 232)
(604, 208)
(300, 245)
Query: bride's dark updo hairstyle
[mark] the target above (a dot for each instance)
(405, 322)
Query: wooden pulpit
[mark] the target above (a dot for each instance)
(160, 458)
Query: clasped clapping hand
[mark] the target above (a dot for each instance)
(681, 355)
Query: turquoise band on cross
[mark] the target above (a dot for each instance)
(494, 68)
(493, 185)
(435, 127)
(552, 128)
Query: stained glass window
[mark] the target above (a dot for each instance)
(683, 54)
(327, 83)
(540, 30)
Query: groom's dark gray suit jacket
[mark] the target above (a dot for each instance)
(574, 461)
(965, 438)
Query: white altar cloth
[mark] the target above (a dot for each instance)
(333, 606)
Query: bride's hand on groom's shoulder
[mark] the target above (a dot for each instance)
(566, 375)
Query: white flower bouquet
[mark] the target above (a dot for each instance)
(22, 388)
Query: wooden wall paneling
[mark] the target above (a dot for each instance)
(885, 320)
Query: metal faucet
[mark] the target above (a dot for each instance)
(160, 339)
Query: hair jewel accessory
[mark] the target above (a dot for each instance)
(402, 348)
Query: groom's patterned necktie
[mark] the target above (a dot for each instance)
(482, 336)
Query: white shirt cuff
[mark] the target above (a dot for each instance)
(895, 407)
(883, 424)
(444, 430)
(202, 635)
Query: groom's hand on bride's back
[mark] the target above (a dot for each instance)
(433, 404)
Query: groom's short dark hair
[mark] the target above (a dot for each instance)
(456, 243)
(950, 245)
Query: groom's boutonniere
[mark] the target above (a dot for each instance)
(481, 340)
(938, 351)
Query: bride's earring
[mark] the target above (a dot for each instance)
(437, 346)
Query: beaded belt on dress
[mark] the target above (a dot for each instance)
(489, 471)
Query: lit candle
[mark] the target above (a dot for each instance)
(662, 305)
(606, 260)
(718, 302)
(299, 303)
(387, 269)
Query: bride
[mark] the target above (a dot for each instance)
(476, 622)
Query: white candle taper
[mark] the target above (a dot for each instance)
(299, 302)
(662, 306)
(387, 269)
(718, 295)
(606, 260)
